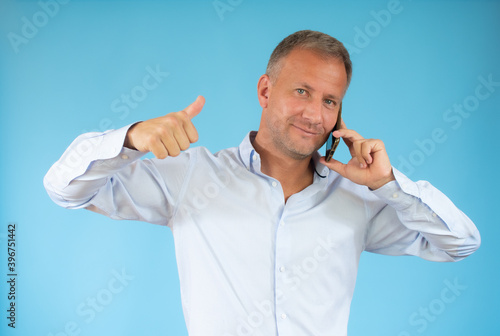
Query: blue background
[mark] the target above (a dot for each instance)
(409, 69)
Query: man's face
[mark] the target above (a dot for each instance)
(303, 102)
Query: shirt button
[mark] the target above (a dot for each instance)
(124, 156)
(395, 195)
(254, 157)
(434, 214)
(274, 184)
(282, 223)
(283, 316)
(282, 268)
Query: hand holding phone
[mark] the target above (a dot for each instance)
(369, 164)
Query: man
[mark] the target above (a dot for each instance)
(267, 235)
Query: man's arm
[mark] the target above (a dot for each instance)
(99, 173)
(418, 219)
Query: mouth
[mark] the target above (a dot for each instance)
(306, 132)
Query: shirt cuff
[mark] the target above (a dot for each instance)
(111, 151)
(92, 150)
(400, 193)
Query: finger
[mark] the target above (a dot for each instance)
(348, 134)
(357, 146)
(346, 141)
(366, 150)
(158, 149)
(181, 138)
(349, 137)
(376, 146)
(195, 108)
(171, 145)
(191, 132)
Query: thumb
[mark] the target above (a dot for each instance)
(334, 165)
(195, 108)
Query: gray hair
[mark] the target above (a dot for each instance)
(324, 44)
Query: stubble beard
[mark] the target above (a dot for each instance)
(283, 142)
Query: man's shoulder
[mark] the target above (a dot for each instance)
(202, 153)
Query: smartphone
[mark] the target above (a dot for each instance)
(333, 142)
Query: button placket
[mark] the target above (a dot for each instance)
(282, 259)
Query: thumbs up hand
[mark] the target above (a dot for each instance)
(167, 135)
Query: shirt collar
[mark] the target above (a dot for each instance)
(246, 149)
(251, 159)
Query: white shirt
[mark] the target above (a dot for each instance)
(249, 263)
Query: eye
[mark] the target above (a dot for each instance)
(301, 91)
(330, 102)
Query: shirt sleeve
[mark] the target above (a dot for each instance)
(419, 220)
(97, 173)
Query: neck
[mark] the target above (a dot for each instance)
(293, 174)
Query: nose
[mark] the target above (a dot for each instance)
(313, 111)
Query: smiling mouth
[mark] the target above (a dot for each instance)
(306, 131)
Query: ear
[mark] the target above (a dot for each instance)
(263, 89)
